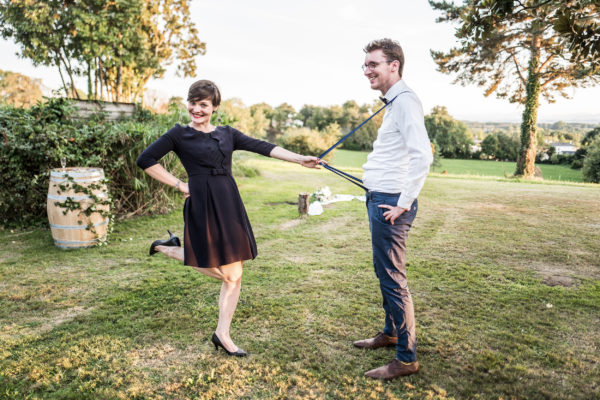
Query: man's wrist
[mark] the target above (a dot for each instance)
(177, 184)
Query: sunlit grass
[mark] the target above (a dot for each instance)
(505, 280)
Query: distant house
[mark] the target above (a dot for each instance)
(564, 148)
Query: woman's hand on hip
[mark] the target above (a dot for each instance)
(185, 189)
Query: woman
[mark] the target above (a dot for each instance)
(217, 233)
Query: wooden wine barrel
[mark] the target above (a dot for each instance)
(69, 230)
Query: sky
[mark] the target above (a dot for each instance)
(310, 52)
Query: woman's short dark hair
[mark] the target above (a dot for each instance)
(390, 48)
(204, 89)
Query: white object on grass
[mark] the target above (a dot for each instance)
(315, 208)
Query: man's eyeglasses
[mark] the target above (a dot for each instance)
(372, 65)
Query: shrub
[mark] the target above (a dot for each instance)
(240, 167)
(449, 134)
(576, 164)
(591, 163)
(34, 141)
(133, 191)
(310, 142)
(363, 138)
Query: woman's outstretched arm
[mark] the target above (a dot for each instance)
(286, 155)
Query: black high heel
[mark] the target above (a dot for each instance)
(172, 241)
(217, 342)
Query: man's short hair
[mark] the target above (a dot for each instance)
(391, 49)
(204, 89)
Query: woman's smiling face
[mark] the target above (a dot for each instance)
(200, 111)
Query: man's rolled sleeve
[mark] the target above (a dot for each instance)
(420, 156)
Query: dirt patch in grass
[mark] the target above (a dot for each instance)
(44, 324)
(558, 280)
(278, 203)
(64, 316)
(561, 275)
(339, 225)
(296, 259)
(164, 355)
(5, 257)
(290, 224)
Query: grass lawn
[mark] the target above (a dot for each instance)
(505, 278)
(471, 167)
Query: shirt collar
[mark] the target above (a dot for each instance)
(395, 90)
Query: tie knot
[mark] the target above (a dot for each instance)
(383, 99)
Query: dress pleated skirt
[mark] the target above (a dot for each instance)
(217, 228)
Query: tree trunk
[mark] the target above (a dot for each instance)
(89, 76)
(70, 73)
(526, 158)
(101, 79)
(303, 201)
(95, 79)
(62, 78)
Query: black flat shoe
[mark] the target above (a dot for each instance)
(217, 343)
(172, 241)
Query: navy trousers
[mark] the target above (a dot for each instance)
(389, 260)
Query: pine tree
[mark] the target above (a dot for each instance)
(521, 50)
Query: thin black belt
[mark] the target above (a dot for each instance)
(210, 171)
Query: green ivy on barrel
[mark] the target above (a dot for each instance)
(34, 140)
(98, 205)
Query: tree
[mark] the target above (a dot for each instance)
(236, 110)
(591, 136)
(19, 90)
(449, 134)
(591, 163)
(503, 39)
(579, 24)
(350, 116)
(363, 138)
(489, 145)
(281, 118)
(508, 147)
(558, 126)
(117, 45)
(261, 119)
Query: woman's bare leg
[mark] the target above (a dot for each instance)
(171, 251)
(212, 272)
(228, 300)
(177, 254)
(231, 275)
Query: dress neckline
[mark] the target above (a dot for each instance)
(206, 133)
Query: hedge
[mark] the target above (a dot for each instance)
(35, 139)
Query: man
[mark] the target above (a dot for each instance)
(394, 173)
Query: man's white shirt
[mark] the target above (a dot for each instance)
(401, 156)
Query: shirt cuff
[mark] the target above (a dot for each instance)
(405, 202)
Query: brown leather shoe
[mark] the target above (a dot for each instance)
(380, 340)
(393, 370)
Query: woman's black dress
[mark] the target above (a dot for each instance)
(217, 229)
